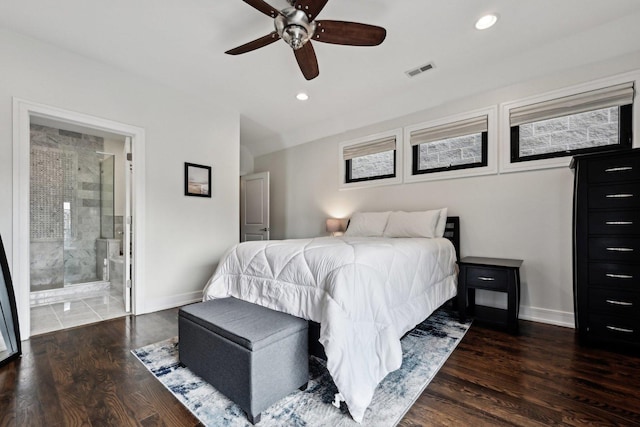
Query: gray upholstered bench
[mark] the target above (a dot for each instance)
(253, 355)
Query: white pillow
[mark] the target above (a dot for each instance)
(412, 224)
(442, 223)
(367, 224)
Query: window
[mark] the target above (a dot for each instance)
(596, 120)
(372, 160)
(452, 146)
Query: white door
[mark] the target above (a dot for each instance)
(128, 219)
(254, 207)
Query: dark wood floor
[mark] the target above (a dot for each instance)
(87, 376)
(542, 377)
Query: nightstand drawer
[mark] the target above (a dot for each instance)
(615, 302)
(487, 278)
(614, 222)
(623, 249)
(615, 196)
(623, 276)
(616, 169)
(613, 327)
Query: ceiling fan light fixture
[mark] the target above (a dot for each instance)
(487, 21)
(293, 27)
(295, 36)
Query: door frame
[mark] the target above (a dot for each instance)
(127, 222)
(23, 110)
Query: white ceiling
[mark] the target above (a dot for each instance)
(181, 43)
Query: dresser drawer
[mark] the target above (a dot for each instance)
(487, 278)
(614, 169)
(615, 196)
(614, 328)
(622, 276)
(614, 302)
(618, 248)
(614, 222)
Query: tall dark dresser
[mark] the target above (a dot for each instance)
(606, 248)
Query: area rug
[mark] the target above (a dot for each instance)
(425, 349)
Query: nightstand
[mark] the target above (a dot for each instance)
(492, 274)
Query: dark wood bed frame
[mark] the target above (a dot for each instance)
(451, 232)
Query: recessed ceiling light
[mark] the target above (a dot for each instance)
(302, 96)
(486, 21)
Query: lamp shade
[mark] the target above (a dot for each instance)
(334, 225)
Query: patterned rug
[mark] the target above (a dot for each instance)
(425, 349)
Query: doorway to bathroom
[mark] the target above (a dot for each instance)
(78, 206)
(74, 237)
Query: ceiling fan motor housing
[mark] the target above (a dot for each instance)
(293, 26)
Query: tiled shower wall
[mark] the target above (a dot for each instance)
(65, 206)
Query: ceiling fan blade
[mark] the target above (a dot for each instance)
(311, 7)
(256, 44)
(349, 33)
(263, 7)
(306, 57)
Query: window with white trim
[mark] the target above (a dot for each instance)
(452, 146)
(372, 160)
(597, 120)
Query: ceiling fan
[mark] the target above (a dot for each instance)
(297, 26)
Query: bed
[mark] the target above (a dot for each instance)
(366, 292)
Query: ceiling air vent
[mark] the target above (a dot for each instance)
(421, 69)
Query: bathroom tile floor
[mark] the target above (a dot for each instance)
(76, 312)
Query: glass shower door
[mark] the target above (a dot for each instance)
(88, 217)
(107, 224)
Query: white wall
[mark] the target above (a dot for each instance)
(526, 215)
(185, 236)
(246, 161)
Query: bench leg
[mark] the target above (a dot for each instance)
(255, 419)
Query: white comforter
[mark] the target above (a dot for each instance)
(365, 292)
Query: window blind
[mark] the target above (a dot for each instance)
(449, 130)
(612, 96)
(370, 147)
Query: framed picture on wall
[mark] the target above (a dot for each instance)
(197, 180)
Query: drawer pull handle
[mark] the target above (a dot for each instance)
(486, 279)
(619, 276)
(619, 196)
(620, 169)
(619, 223)
(620, 249)
(623, 303)
(615, 328)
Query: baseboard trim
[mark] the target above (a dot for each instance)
(544, 315)
(534, 314)
(164, 303)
